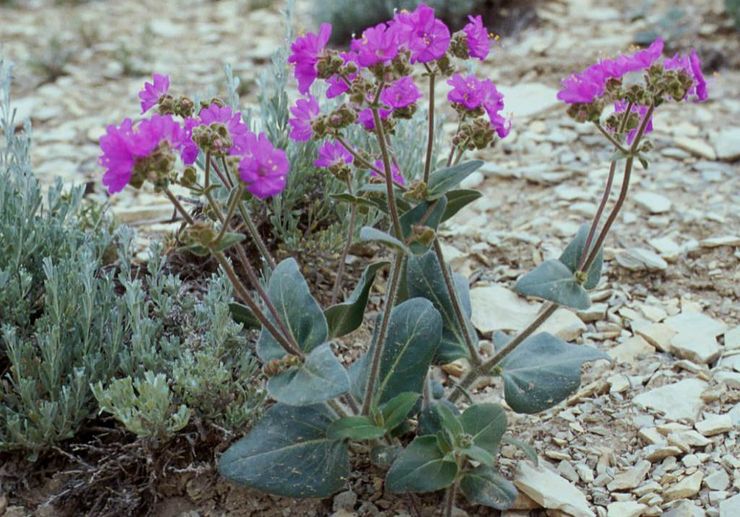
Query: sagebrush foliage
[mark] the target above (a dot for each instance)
(68, 322)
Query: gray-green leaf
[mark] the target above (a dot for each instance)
(321, 377)
(421, 467)
(553, 281)
(572, 255)
(397, 409)
(457, 200)
(300, 312)
(543, 371)
(483, 485)
(486, 423)
(242, 314)
(347, 316)
(288, 453)
(446, 179)
(354, 428)
(370, 234)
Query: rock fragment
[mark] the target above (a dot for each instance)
(551, 491)
(680, 400)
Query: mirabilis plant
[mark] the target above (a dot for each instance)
(384, 404)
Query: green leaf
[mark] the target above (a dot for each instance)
(228, 240)
(198, 250)
(384, 455)
(486, 423)
(553, 281)
(347, 316)
(414, 216)
(411, 342)
(449, 421)
(356, 428)
(242, 314)
(288, 453)
(443, 180)
(457, 200)
(354, 200)
(321, 377)
(425, 280)
(377, 195)
(421, 467)
(483, 485)
(397, 409)
(527, 449)
(572, 255)
(480, 455)
(430, 420)
(543, 371)
(368, 233)
(301, 313)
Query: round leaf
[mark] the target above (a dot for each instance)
(421, 467)
(553, 281)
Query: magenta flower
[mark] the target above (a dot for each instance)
(494, 104)
(124, 146)
(621, 106)
(365, 117)
(476, 37)
(304, 112)
(395, 172)
(401, 93)
(305, 53)
(690, 64)
(238, 130)
(468, 91)
(189, 148)
(582, 88)
(153, 91)
(337, 84)
(426, 36)
(378, 44)
(264, 168)
(332, 154)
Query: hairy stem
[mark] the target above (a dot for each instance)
(390, 299)
(485, 368)
(430, 129)
(450, 498)
(230, 209)
(456, 305)
(392, 207)
(345, 251)
(610, 137)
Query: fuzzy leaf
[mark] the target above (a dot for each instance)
(483, 485)
(421, 467)
(457, 200)
(354, 428)
(242, 314)
(553, 281)
(424, 279)
(347, 316)
(369, 234)
(412, 340)
(288, 453)
(486, 423)
(228, 240)
(300, 312)
(320, 378)
(443, 180)
(543, 371)
(414, 217)
(572, 254)
(397, 409)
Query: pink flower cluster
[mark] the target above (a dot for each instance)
(421, 38)
(588, 85)
(262, 167)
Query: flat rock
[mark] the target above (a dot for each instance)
(696, 147)
(631, 478)
(625, 509)
(631, 350)
(732, 338)
(697, 346)
(657, 334)
(687, 487)
(730, 507)
(498, 308)
(714, 424)
(667, 247)
(684, 508)
(680, 400)
(551, 491)
(641, 259)
(720, 240)
(689, 322)
(727, 144)
(717, 480)
(565, 324)
(527, 100)
(652, 202)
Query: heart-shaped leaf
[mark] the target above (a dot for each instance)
(486, 423)
(543, 371)
(572, 255)
(319, 378)
(424, 279)
(370, 234)
(397, 409)
(443, 180)
(553, 281)
(357, 428)
(421, 467)
(242, 314)
(347, 316)
(427, 213)
(301, 313)
(288, 453)
(430, 418)
(228, 240)
(483, 485)
(457, 200)
(411, 342)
